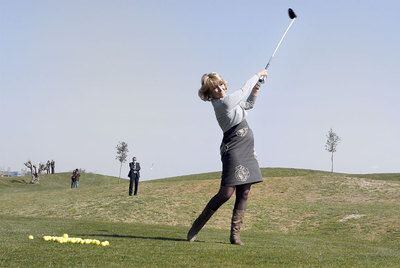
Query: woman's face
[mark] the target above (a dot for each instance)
(220, 91)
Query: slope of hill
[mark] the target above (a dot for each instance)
(290, 202)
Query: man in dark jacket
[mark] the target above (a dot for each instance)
(134, 175)
(53, 165)
(75, 178)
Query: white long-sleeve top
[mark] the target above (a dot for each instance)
(231, 109)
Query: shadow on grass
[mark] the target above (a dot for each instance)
(136, 237)
(149, 238)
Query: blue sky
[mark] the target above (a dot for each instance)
(77, 77)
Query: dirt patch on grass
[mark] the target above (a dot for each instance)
(351, 217)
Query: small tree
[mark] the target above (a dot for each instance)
(29, 165)
(122, 153)
(331, 143)
(34, 173)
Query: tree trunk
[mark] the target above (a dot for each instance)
(35, 178)
(119, 177)
(332, 162)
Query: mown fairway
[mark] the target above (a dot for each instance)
(294, 218)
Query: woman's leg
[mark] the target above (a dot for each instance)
(242, 194)
(223, 195)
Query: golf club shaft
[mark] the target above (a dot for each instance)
(277, 47)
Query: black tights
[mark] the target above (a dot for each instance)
(225, 192)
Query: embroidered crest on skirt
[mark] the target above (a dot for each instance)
(239, 165)
(242, 132)
(241, 173)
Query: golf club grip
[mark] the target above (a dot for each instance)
(262, 80)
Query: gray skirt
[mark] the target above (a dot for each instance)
(239, 163)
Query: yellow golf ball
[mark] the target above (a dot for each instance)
(30, 237)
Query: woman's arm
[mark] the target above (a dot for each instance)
(238, 97)
(251, 100)
(234, 99)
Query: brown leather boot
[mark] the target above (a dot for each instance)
(201, 220)
(236, 224)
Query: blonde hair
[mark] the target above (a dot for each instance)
(209, 82)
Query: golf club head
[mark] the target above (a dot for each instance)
(291, 13)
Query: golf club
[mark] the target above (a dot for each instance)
(292, 17)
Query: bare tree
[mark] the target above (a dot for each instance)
(35, 175)
(331, 143)
(29, 165)
(34, 172)
(122, 154)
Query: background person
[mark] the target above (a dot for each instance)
(53, 166)
(48, 164)
(75, 178)
(134, 175)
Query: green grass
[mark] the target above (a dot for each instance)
(294, 218)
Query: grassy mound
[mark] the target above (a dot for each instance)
(295, 217)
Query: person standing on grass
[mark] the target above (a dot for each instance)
(48, 164)
(53, 166)
(75, 178)
(240, 167)
(134, 175)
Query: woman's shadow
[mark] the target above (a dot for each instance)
(134, 236)
(141, 237)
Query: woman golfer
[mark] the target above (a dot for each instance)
(239, 165)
